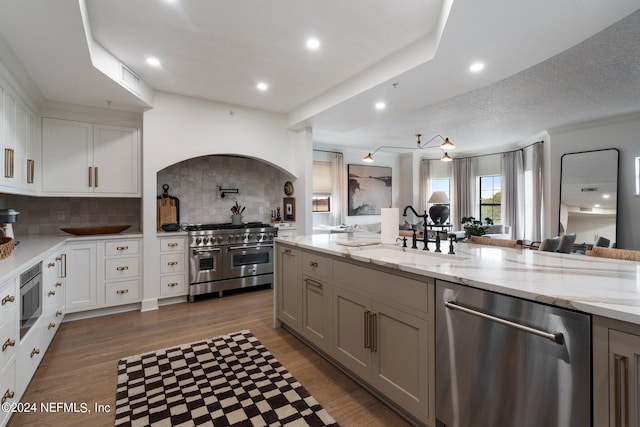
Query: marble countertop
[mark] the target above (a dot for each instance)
(31, 249)
(600, 286)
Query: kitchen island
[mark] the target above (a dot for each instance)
(346, 268)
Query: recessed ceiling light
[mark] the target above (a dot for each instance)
(313, 43)
(476, 67)
(154, 62)
(262, 86)
(596, 205)
(380, 105)
(605, 196)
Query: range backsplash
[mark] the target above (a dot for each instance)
(195, 183)
(45, 215)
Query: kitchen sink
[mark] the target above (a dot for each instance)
(404, 257)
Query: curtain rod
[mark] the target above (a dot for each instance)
(502, 152)
(327, 151)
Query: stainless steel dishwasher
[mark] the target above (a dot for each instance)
(505, 362)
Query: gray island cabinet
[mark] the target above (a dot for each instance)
(376, 320)
(376, 325)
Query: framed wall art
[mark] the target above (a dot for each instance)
(369, 189)
(289, 204)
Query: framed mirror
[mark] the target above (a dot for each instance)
(589, 196)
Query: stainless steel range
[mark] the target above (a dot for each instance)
(229, 256)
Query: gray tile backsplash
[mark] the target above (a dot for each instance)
(45, 215)
(195, 183)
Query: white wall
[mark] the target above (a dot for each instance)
(621, 132)
(180, 128)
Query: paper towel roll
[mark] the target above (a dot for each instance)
(389, 227)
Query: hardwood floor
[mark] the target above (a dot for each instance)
(80, 364)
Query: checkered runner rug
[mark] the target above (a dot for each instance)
(231, 380)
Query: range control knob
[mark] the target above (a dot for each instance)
(205, 240)
(219, 239)
(198, 240)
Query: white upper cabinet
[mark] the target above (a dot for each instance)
(19, 137)
(90, 159)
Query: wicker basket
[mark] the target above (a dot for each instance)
(6, 247)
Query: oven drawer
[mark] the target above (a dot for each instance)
(312, 263)
(172, 263)
(122, 247)
(121, 268)
(173, 244)
(122, 292)
(173, 285)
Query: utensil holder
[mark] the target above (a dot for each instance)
(236, 219)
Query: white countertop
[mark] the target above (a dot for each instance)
(32, 247)
(600, 286)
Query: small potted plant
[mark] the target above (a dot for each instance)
(474, 227)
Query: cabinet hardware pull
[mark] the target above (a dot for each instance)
(8, 298)
(96, 177)
(557, 337)
(621, 365)
(172, 284)
(122, 291)
(122, 248)
(367, 335)
(63, 273)
(8, 162)
(35, 351)
(314, 283)
(287, 251)
(8, 343)
(51, 265)
(51, 293)
(313, 264)
(58, 285)
(58, 313)
(31, 168)
(374, 332)
(51, 325)
(90, 176)
(122, 268)
(7, 395)
(172, 263)
(172, 245)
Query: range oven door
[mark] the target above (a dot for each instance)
(248, 260)
(205, 264)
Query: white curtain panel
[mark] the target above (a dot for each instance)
(513, 192)
(464, 199)
(339, 191)
(533, 186)
(424, 186)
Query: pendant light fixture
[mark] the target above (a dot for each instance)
(445, 146)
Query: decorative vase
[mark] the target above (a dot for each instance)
(439, 213)
(236, 219)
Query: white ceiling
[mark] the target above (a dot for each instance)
(543, 67)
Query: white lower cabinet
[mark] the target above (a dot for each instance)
(173, 266)
(9, 339)
(103, 273)
(377, 325)
(616, 373)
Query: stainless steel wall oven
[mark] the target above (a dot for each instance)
(30, 297)
(229, 256)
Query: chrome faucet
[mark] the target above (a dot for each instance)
(425, 237)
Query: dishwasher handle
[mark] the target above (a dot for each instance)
(557, 337)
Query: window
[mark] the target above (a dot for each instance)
(440, 184)
(322, 187)
(490, 198)
(321, 204)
